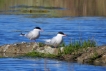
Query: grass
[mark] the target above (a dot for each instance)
(76, 45)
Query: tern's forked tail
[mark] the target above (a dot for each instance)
(22, 34)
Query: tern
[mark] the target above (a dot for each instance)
(55, 41)
(33, 34)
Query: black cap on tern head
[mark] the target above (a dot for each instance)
(38, 28)
(61, 33)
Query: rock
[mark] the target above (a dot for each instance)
(22, 48)
(69, 57)
(18, 48)
(94, 55)
(101, 60)
(47, 50)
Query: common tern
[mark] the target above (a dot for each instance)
(55, 41)
(33, 34)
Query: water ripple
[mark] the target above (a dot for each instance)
(39, 64)
(84, 27)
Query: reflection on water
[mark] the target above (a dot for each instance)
(24, 64)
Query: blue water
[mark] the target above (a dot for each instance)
(15, 64)
(77, 27)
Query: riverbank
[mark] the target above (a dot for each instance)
(90, 55)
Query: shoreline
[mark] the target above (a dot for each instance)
(89, 55)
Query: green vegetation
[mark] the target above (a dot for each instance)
(76, 45)
(37, 54)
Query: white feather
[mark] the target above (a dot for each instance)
(32, 35)
(47, 40)
(55, 41)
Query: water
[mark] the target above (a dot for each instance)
(15, 64)
(78, 27)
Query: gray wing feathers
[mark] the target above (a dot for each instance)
(32, 35)
(53, 42)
